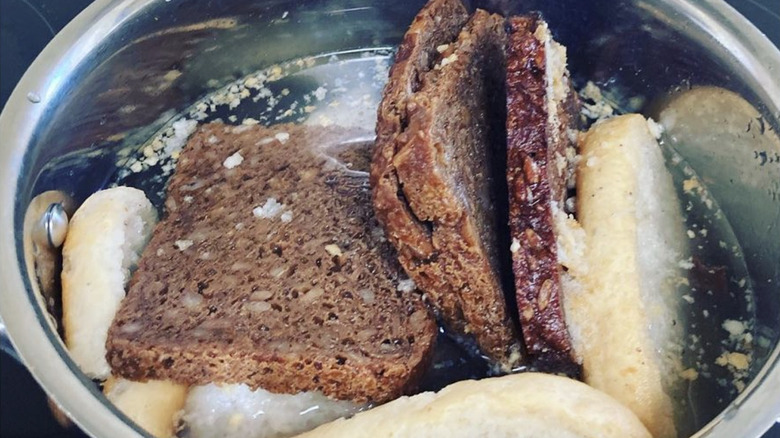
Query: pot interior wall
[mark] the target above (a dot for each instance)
(165, 55)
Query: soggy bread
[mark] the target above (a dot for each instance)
(437, 190)
(269, 269)
(435, 26)
(541, 112)
(519, 405)
(105, 238)
(152, 405)
(623, 317)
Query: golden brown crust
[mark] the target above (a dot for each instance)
(536, 183)
(443, 186)
(310, 302)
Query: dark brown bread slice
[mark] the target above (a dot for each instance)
(537, 172)
(306, 299)
(436, 25)
(444, 161)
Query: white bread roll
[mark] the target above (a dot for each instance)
(152, 405)
(518, 405)
(621, 317)
(104, 241)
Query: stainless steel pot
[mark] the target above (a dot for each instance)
(88, 95)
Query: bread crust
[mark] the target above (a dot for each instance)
(442, 186)
(624, 344)
(537, 183)
(521, 405)
(105, 238)
(228, 294)
(437, 24)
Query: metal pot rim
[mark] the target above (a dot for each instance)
(751, 414)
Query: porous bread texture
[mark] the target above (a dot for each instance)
(152, 405)
(622, 317)
(541, 110)
(104, 241)
(519, 405)
(435, 187)
(273, 273)
(435, 26)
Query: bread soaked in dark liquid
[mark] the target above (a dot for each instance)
(351, 85)
(330, 92)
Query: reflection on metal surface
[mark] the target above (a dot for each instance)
(105, 77)
(45, 225)
(52, 227)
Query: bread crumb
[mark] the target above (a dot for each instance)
(655, 128)
(250, 121)
(406, 285)
(600, 108)
(442, 48)
(515, 246)
(333, 250)
(282, 137)
(737, 360)
(448, 60)
(269, 210)
(734, 327)
(233, 160)
(320, 93)
(689, 374)
(182, 245)
(286, 217)
(689, 185)
(690, 234)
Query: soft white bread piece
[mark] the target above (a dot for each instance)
(518, 405)
(104, 241)
(152, 405)
(623, 314)
(236, 411)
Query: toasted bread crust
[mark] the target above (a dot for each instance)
(226, 294)
(442, 186)
(536, 182)
(437, 24)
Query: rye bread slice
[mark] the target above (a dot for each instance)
(447, 182)
(436, 25)
(540, 113)
(269, 269)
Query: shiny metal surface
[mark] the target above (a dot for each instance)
(124, 67)
(52, 227)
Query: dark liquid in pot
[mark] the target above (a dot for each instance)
(716, 306)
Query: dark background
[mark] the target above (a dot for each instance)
(26, 26)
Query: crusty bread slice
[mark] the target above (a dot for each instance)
(434, 27)
(450, 189)
(541, 111)
(104, 241)
(269, 269)
(622, 321)
(151, 405)
(526, 405)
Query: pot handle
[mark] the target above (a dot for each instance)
(5, 343)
